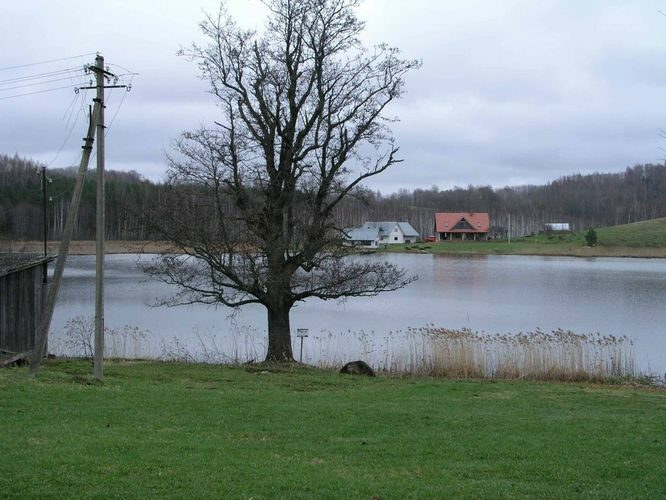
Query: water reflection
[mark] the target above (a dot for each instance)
(502, 294)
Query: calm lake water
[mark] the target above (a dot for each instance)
(495, 294)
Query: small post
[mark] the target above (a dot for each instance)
(301, 333)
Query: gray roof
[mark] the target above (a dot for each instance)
(14, 262)
(372, 230)
(387, 227)
(361, 234)
(407, 229)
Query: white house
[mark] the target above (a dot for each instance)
(373, 234)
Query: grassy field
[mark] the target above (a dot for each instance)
(177, 430)
(641, 239)
(647, 234)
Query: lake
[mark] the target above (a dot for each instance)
(494, 294)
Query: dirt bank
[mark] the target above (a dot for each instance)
(88, 247)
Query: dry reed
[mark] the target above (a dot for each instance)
(558, 355)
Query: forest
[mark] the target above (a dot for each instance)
(583, 201)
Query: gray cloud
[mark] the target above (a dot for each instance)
(510, 91)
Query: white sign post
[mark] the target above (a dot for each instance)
(301, 333)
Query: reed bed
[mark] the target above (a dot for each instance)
(437, 352)
(558, 355)
(426, 351)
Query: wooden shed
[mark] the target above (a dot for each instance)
(22, 298)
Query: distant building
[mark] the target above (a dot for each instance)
(557, 227)
(461, 226)
(373, 234)
(22, 295)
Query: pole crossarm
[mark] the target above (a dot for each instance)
(103, 71)
(105, 86)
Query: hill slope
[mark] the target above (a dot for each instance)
(645, 234)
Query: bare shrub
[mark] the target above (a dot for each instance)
(124, 343)
(247, 344)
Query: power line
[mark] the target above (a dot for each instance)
(45, 82)
(46, 62)
(122, 100)
(119, 66)
(70, 109)
(49, 74)
(36, 92)
(74, 122)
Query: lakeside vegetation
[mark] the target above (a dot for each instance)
(173, 430)
(429, 351)
(639, 239)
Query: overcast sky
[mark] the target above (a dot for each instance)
(511, 92)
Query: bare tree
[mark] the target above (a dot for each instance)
(303, 124)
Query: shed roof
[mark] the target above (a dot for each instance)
(14, 262)
(446, 221)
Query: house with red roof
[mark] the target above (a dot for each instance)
(461, 226)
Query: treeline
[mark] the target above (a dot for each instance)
(583, 201)
(128, 198)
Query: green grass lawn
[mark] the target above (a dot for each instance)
(646, 234)
(640, 239)
(176, 430)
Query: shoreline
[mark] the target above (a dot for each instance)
(87, 247)
(581, 252)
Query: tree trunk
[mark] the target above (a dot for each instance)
(279, 334)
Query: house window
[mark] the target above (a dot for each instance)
(395, 238)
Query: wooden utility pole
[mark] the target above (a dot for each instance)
(101, 74)
(45, 322)
(98, 361)
(45, 266)
(96, 124)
